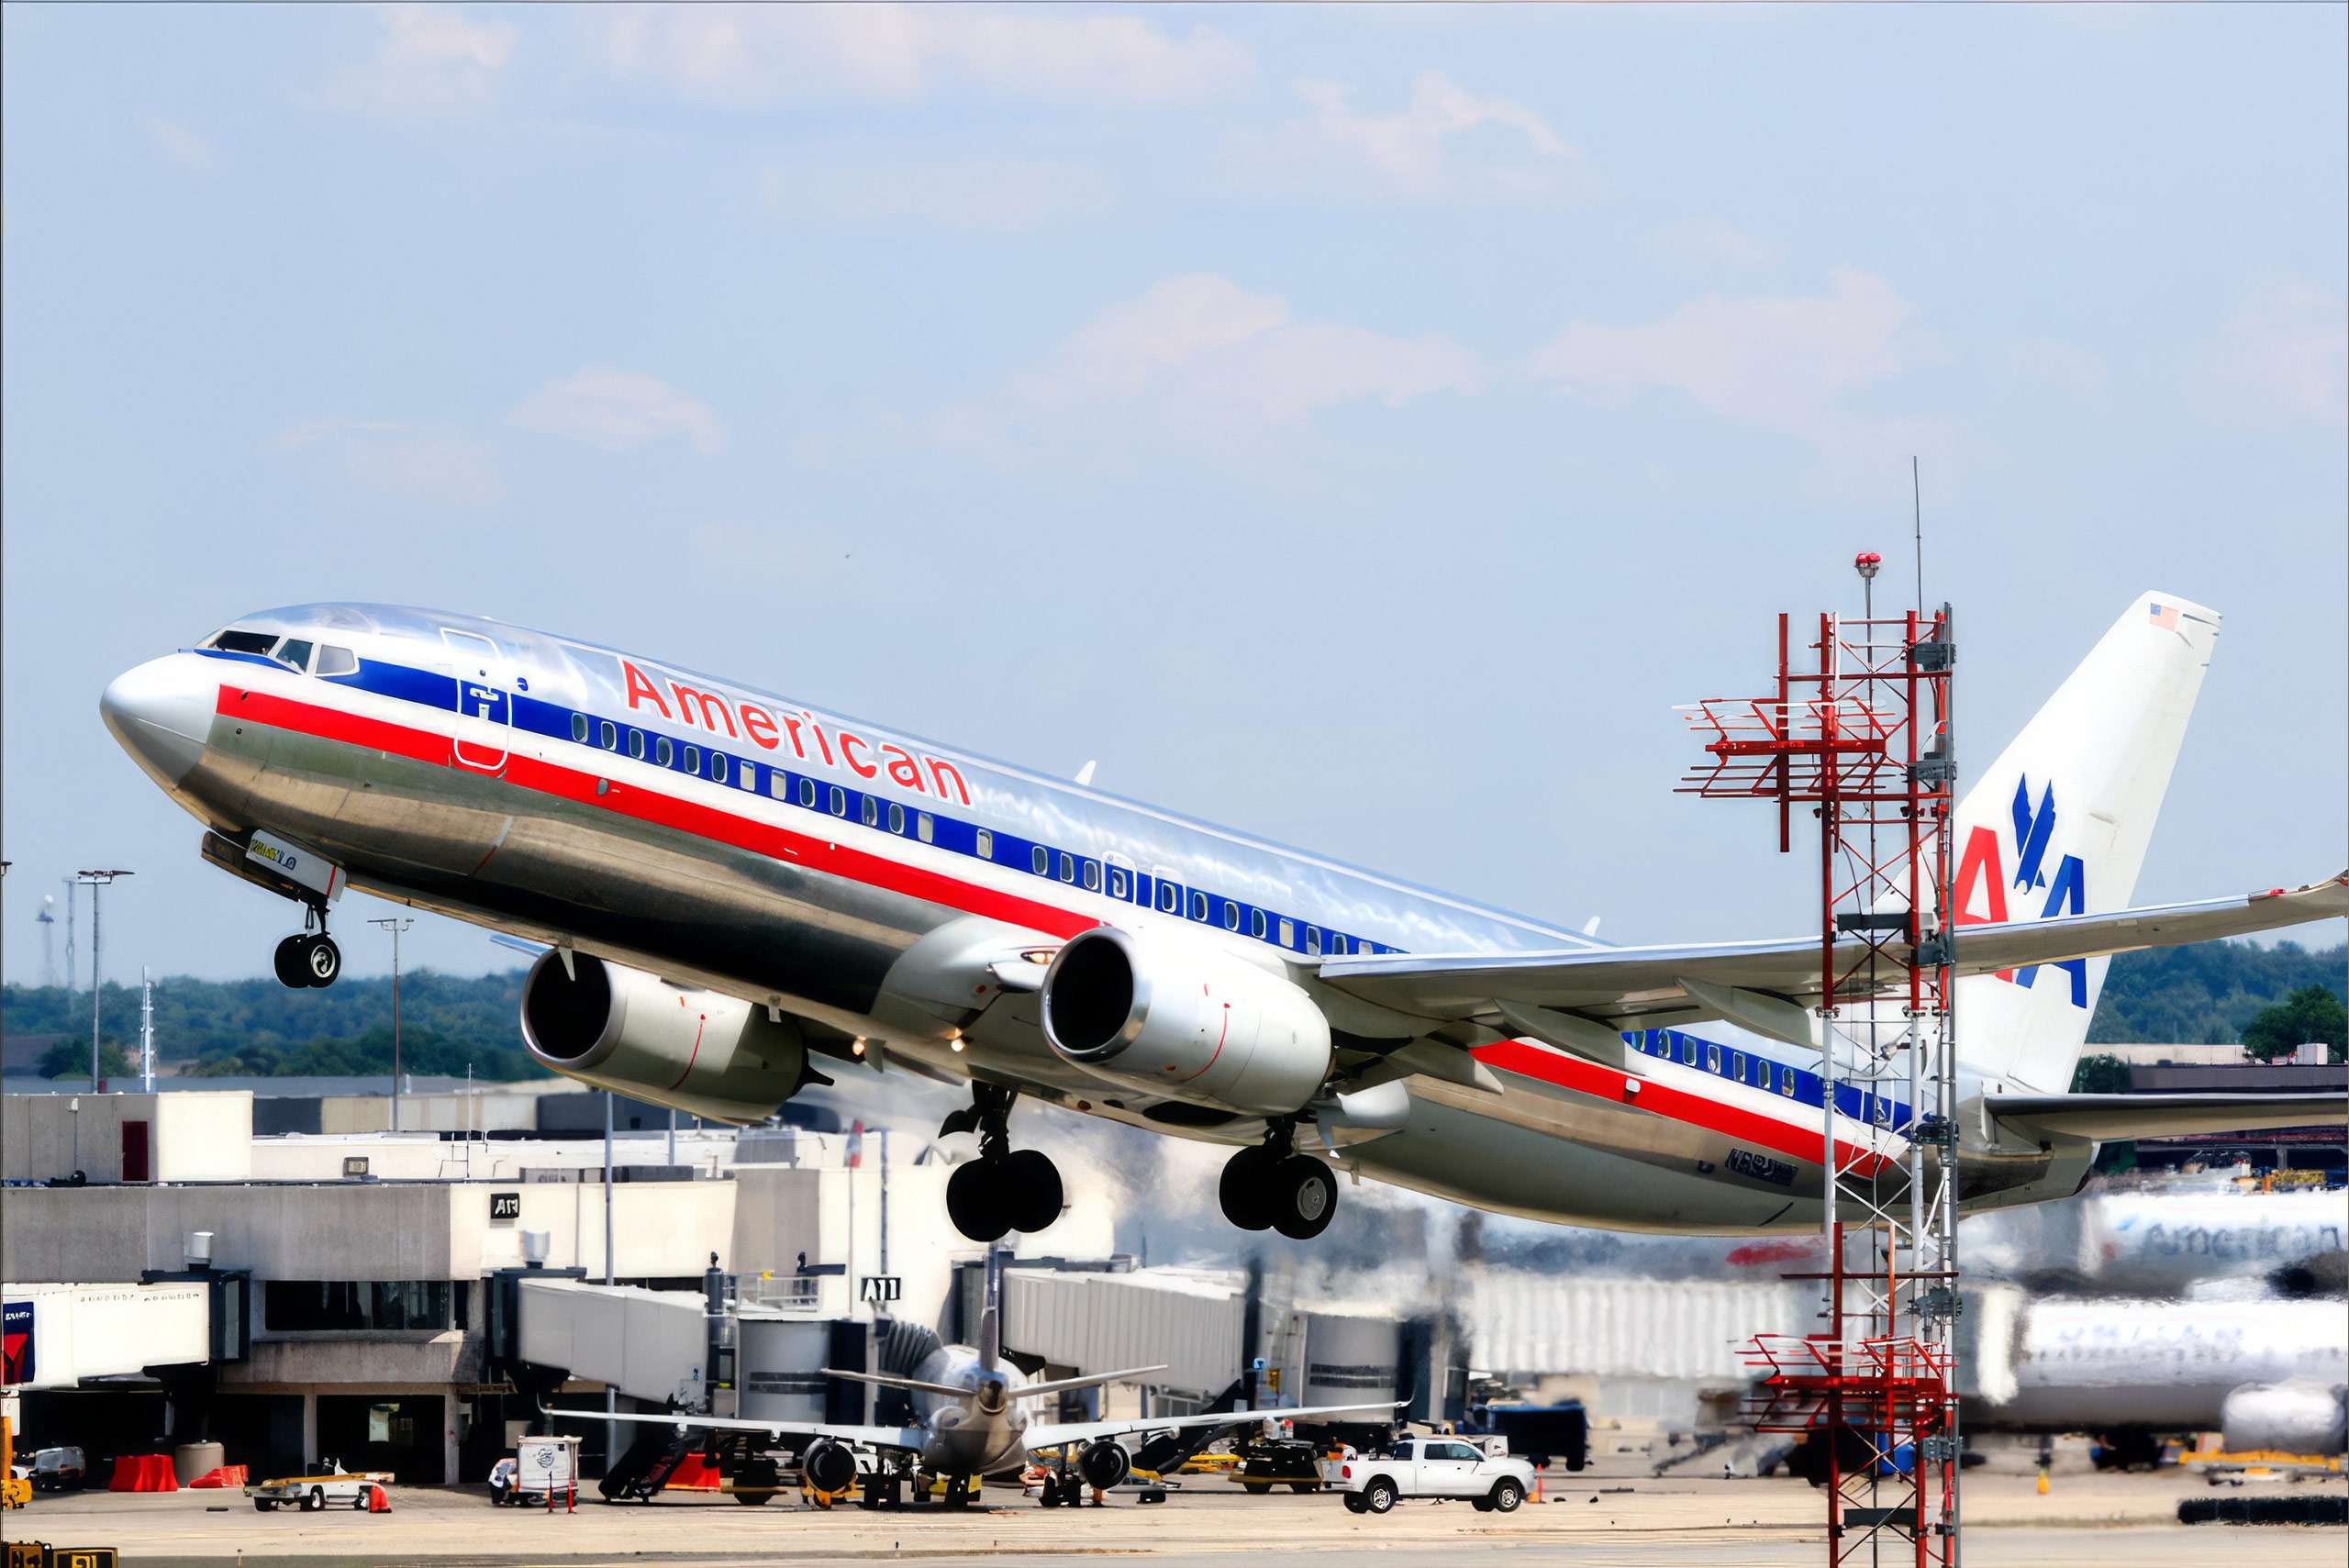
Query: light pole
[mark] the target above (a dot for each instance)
(93, 880)
(394, 925)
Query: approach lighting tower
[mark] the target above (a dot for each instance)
(1859, 732)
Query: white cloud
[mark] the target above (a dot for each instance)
(620, 411)
(1407, 149)
(430, 59)
(1795, 365)
(999, 194)
(393, 458)
(2282, 355)
(749, 56)
(1201, 361)
(181, 145)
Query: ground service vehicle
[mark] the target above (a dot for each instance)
(1541, 1432)
(59, 1470)
(329, 1486)
(1430, 1467)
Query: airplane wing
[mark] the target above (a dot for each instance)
(910, 1438)
(2108, 1116)
(1043, 1436)
(1633, 987)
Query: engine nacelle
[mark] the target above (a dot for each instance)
(623, 1029)
(2286, 1418)
(1104, 1464)
(1185, 1019)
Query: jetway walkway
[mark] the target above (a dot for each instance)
(59, 1335)
(648, 1344)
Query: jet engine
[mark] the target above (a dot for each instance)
(828, 1466)
(1104, 1464)
(1185, 1019)
(2286, 1418)
(623, 1029)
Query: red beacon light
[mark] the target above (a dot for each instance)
(1867, 564)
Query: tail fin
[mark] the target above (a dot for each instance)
(2059, 824)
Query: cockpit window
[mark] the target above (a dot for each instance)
(293, 654)
(234, 641)
(334, 660)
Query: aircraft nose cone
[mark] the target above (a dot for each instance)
(161, 712)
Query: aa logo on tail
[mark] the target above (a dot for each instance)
(1981, 870)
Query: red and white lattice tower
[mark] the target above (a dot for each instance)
(1858, 730)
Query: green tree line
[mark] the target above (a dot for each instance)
(2209, 993)
(258, 1027)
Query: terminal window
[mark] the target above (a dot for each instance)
(357, 1305)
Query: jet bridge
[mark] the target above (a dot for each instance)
(59, 1336)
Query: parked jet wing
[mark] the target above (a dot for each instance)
(840, 1431)
(1639, 986)
(1041, 1436)
(2108, 1116)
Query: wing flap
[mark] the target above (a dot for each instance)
(911, 1437)
(2111, 1117)
(1636, 987)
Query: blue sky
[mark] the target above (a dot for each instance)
(1359, 426)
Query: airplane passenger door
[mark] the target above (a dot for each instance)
(483, 693)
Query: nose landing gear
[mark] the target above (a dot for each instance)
(309, 958)
(1004, 1189)
(1270, 1187)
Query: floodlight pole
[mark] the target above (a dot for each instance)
(394, 925)
(93, 880)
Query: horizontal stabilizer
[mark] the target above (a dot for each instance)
(1065, 1385)
(887, 1381)
(2111, 1117)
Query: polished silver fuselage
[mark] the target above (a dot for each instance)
(470, 811)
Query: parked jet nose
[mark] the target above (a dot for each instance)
(162, 713)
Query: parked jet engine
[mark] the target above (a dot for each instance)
(623, 1029)
(2285, 1418)
(1104, 1464)
(828, 1466)
(1185, 1019)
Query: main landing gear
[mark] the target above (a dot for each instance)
(1270, 1186)
(308, 957)
(1004, 1189)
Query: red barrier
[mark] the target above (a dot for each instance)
(226, 1476)
(376, 1502)
(693, 1473)
(143, 1473)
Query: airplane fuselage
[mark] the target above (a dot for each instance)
(724, 838)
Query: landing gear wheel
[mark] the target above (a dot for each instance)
(291, 973)
(1304, 1197)
(974, 1200)
(321, 960)
(1030, 1185)
(1241, 1190)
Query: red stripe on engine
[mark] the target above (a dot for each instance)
(661, 810)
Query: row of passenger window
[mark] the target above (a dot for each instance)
(1761, 1072)
(1077, 870)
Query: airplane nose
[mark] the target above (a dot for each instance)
(161, 712)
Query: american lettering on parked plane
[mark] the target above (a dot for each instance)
(697, 707)
(727, 917)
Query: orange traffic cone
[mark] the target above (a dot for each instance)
(2043, 1483)
(376, 1502)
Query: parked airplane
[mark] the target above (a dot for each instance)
(734, 886)
(971, 1419)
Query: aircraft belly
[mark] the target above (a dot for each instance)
(1575, 1159)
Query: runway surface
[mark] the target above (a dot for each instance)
(1701, 1522)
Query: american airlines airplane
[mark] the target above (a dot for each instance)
(734, 887)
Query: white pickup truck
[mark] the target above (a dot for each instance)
(1428, 1467)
